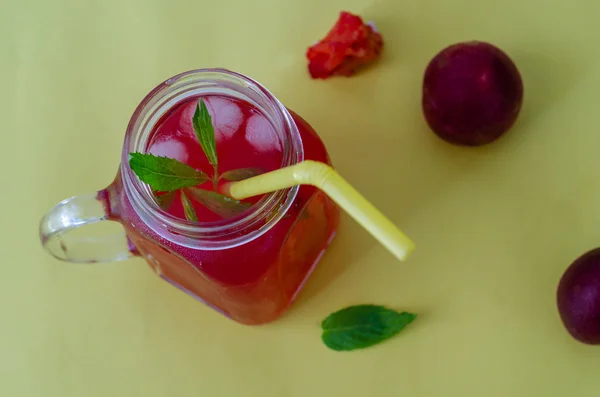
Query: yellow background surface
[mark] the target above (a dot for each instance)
(495, 227)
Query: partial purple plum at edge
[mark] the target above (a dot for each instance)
(578, 298)
(472, 93)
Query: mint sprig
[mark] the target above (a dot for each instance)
(165, 200)
(240, 174)
(165, 174)
(205, 132)
(188, 208)
(219, 204)
(361, 326)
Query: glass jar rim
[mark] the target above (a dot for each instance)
(228, 233)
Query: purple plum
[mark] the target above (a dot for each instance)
(578, 298)
(472, 93)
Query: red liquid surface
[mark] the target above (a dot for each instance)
(253, 283)
(244, 138)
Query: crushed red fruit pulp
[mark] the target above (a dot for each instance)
(349, 45)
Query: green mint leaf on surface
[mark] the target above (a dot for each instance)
(205, 132)
(217, 203)
(188, 208)
(361, 326)
(164, 174)
(165, 200)
(240, 174)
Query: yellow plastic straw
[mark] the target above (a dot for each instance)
(328, 180)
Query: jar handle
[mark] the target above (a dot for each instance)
(81, 230)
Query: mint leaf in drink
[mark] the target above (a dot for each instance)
(361, 326)
(164, 174)
(240, 174)
(205, 132)
(164, 200)
(188, 208)
(217, 203)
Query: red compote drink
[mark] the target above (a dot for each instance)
(249, 265)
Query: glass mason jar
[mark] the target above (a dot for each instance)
(250, 268)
